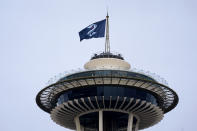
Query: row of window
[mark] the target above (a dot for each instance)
(107, 91)
(112, 121)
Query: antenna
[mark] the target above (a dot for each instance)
(107, 42)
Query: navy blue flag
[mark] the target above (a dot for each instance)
(94, 30)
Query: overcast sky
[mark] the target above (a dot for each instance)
(39, 39)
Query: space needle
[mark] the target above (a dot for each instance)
(107, 96)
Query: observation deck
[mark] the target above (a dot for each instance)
(107, 95)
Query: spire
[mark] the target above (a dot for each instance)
(107, 43)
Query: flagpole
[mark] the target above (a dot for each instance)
(107, 43)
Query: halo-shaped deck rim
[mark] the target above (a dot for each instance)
(45, 96)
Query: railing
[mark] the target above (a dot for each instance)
(154, 76)
(147, 73)
(107, 55)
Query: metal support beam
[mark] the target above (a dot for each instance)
(82, 128)
(137, 125)
(100, 120)
(130, 122)
(77, 123)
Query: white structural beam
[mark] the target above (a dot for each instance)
(100, 120)
(130, 122)
(137, 125)
(82, 128)
(77, 123)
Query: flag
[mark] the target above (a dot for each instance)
(94, 30)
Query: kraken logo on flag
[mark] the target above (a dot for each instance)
(94, 30)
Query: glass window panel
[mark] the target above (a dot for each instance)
(107, 91)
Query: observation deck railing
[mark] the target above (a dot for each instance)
(113, 54)
(154, 76)
(107, 55)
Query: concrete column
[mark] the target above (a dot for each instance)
(77, 123)
(100, 120)
(130, 122)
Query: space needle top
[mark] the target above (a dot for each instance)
(107, 95)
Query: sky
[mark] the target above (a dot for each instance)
(39, 39)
